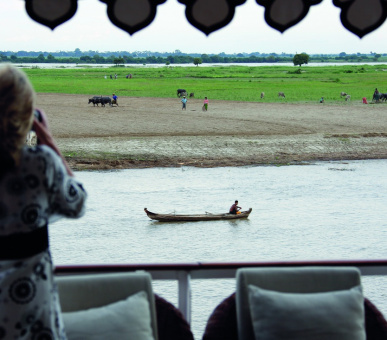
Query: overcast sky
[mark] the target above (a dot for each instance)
(90, 29)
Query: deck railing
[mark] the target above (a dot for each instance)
(184, 273)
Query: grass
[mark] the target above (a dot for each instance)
(240, 83)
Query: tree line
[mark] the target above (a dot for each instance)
(172, 59)
(297, 59)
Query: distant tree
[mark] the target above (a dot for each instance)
(197, 61)
(40, 58)
(50, 57)
(205, 58)
(118, 61)
(377, 56)
(216, 59)
(85, 58)
(271, 59)
(13, 58)
(300, 59)
(99, 59)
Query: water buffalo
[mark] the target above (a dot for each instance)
(262, 95)
(106, 100)
(343, 94)
(383, 97)
(95, 100)
(347, 97)
(281, 94)
(192, 95)
(181, 92)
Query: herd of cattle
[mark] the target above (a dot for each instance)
(96, 100)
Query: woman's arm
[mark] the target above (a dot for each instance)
(44, 137)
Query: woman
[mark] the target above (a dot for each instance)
(205, 104)
(36, 187)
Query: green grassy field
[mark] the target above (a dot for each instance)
(242, 83)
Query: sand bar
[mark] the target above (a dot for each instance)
(148, 132)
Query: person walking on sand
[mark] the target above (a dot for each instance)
(184, 101)
(37, 188)
(234, 209)
(205, 104)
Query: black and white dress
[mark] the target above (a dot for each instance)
(37, 193)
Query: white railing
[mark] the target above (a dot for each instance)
(184, 273)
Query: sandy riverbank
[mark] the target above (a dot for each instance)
(145, 132)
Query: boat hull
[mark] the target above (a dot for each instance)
(198, 217)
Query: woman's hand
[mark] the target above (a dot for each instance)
(44, 136)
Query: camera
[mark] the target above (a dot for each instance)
(37, 116)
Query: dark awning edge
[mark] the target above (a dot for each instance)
(358, 16)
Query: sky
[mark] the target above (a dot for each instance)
(321, 32)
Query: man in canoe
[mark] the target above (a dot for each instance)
(235, 209)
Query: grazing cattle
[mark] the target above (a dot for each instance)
(347, 97)
(181, 92)
(262, 95)
(191, 95)
(343, 94)
(383, 97)
(281, 94)
(95, 100)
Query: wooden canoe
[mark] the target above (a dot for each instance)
(196, 217)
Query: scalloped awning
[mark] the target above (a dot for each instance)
(358, 16)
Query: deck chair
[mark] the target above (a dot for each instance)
(80, 293)
(330, 295)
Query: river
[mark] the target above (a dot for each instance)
(321, 211)
(62, 65)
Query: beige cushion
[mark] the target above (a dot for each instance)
(337, 315)
(82, 292)
(126, 319)
(291, 280)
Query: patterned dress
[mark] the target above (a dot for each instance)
(35, 194)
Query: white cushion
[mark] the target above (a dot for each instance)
(335, 315)
(126, 319)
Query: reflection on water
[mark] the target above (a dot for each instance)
(330, 210)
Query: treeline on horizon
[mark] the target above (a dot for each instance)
(176, 57)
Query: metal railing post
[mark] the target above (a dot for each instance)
(184, 294)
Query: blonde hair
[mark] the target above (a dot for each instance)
(17, 101)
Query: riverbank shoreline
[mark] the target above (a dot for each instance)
(155, 132)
